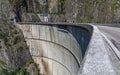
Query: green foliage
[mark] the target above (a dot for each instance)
(22, 1)
(6, 41)
(17, 4)
(15, 71)
(1, 24)
(62, 8)
(0, 46)
(36, 65)
(4, 72)
(62, 1)
(11, 1)
(115, 6)
(23, 72)
(86, 19)
(2, 64)
(29, 11)
(39, 12)
(36, 2)
(16, 39)
(20, 48)
(98, 11)
(14, 1)
(15, 31)
(11, 73)
(2, 35)
(29, 62)
(18, 71)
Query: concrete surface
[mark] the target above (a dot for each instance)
(114, 54)
(55, 50)
(96, 60)
(112, 34)
(58, 52)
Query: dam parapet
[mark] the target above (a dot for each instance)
(69, 49)
(57, 48)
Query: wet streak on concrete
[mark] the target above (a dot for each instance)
(42, 52)
(46, 67)
(67, 43)
(117, 45)
(82, 36)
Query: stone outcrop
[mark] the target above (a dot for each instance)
(14, 52)
(73, 10)
(6, 11)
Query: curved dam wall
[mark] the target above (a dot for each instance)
(81, 34)
(57, 48)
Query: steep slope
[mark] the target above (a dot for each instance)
(15, 58)
(97, 11)
(14, 53)
(6, 12)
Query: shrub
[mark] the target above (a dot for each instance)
(2, 64)
(2, 35)
(19, 71)
(23, 72)
(15, 31)
(1, 24)
(20, 48)
(3, 72)
(30, 62)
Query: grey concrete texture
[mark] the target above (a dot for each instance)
(101, 57)
(55, 50)
(97, 60)
(51, 34)
(114, 54)
(112, 34)
(111, 37)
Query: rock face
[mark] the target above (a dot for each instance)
(14, 53)
(67, 11)
(15, 57)
(73, 10)
(13, 49)
(6, 11)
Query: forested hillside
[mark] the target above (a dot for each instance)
(98, 11)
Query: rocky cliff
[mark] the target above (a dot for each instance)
(97, 11)
(15, 58)
(6, 13)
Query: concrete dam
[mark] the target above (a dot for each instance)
(68, 49)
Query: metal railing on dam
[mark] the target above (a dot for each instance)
(66, 49)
